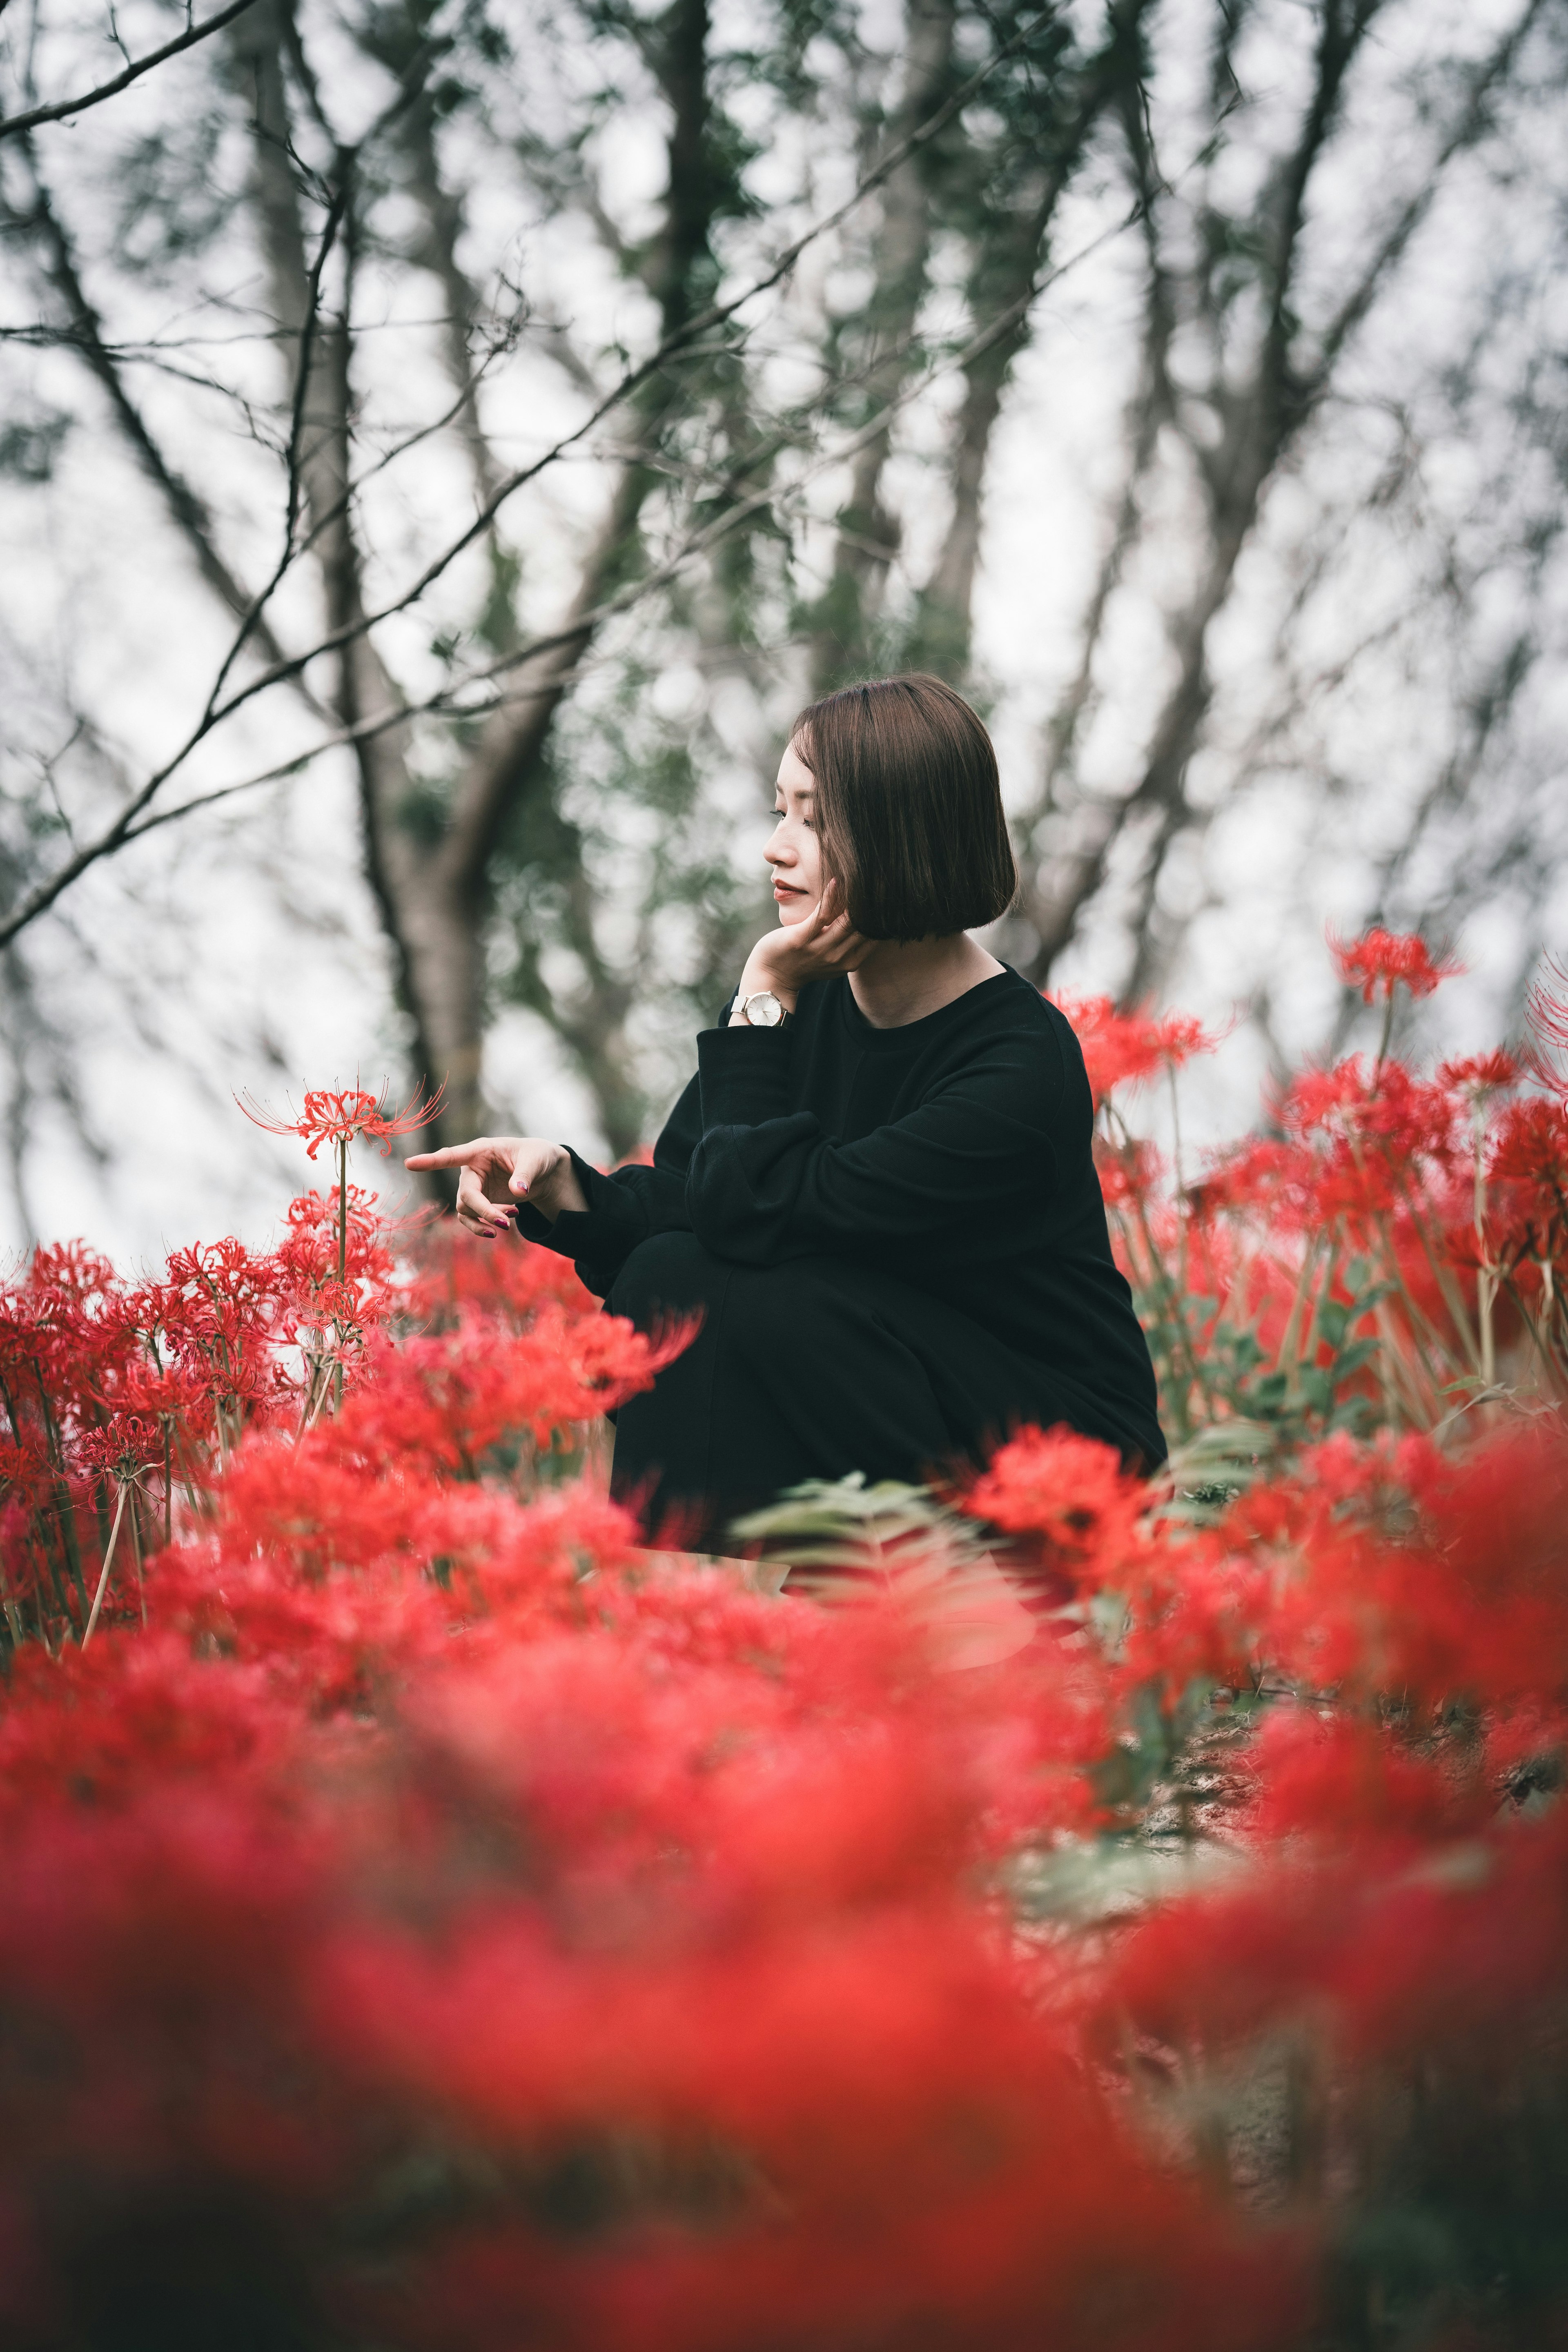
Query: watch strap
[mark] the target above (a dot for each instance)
(738, 1004)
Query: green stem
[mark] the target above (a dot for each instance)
(65, 1508)
(1181, 1178)
(1320, 1300)
(13, 1614)
(108, 1563)
(1173, 1302)
(1425, 1342)
(136, 1555)
(1391, 1372)
(342, 1256)
(1291, 1333)
(1485, 1275)
(1449, 1289)
(1387, 1028)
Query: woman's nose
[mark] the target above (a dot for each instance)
(777, 851)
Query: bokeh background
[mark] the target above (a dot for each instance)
(441, 446)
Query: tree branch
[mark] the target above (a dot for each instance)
(11, 124)
(1259, 422)
(867, 539)
(445, 701)
(673, 346)
(1009, 260)
(186, 507)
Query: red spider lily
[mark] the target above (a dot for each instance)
(1073, 1496)
(1546, 1056)
(125, 1444)
(1531, 1147)
(1332, 1099)
(1375, 1135)
(341, 1119)
(449, 1271)
(451, 1398)
(1128, 1172)
(1526, 1171)
(1122, 1049)
(1549, 1013)
(559, 1848)
(165, 1380)
(1479, 1075)
(1380, 962)
(1177, 1038)
(1264, 1176)
(662, 1967)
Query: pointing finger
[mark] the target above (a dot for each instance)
(455, 1155)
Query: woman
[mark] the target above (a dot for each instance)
(878, 1188)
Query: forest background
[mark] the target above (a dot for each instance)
(443, 442)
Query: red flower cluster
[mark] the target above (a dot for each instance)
(1399, 1245)
(1123, 1049)
(446, 1925)
(479, 1933)
(124, 1403)
(1380, 962)
(431, 1922)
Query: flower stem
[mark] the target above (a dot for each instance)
(1382, 1042)
(342, 1254)
(108, 1563)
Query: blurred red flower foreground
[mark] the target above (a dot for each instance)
(428, 1921)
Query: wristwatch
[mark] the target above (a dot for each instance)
(762, 1011)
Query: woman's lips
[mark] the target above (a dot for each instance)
(787, 890)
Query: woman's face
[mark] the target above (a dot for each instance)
(793, 851)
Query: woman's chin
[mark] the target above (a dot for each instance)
(792, 910)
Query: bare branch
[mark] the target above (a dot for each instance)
(86, 336)
(1258, 420)
(445, 701)
(293, 468)
(443, 226)
(358, 626)
(1010, 258)
(11, 124)
(867, 540)
(674, 345)
(1468, 128)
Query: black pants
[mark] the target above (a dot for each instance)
(808, 1370)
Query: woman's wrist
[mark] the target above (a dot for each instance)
(556, 1188)
(753, 980)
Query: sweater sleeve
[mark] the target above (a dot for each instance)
(765, 1183)
(624, 1207)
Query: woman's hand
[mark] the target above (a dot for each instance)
(820, 945)
(500, 1169)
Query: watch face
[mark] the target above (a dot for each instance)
(763, 1011)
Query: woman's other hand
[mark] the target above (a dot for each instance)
(820, 945)
(496, 1171)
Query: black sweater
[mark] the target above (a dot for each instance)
(954, 1153)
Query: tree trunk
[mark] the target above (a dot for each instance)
(1010, 254)
(867, 534)
(1253, 418)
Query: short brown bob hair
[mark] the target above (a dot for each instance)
(908, 808)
